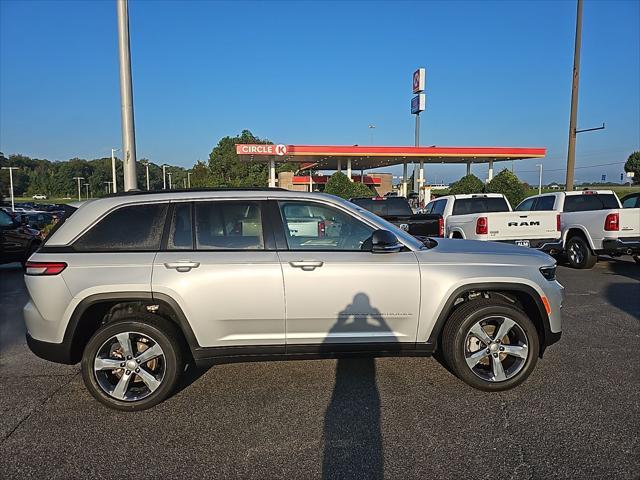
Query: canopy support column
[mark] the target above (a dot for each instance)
(349, 168)
(404, 179)
(421, 196)
(468, 168)
(272, 172)
(490, 175)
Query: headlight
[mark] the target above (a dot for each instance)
(549, 272)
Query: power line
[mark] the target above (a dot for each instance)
(562, 169)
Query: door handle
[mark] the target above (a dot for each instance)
(307, 265)
(182, 265)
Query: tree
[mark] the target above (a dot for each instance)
(340, 185)
(466, 185)
(509, 185)
(633, 165)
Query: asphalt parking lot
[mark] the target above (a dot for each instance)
(577, 416)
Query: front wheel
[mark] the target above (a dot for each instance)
(490, 345)
(133, 363)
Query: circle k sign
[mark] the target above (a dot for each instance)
(281, 150)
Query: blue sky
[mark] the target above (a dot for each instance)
(498, 73)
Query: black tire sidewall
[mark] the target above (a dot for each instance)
(173, 363)
(457, 356)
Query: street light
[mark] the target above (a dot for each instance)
(107, 188)
(79, 194)
(188, 179)
(169, 174)
(164, 177)
(86, 188)
(146, 164)
(113, 169)
(372, 127)
(540, 180)
(11, 169)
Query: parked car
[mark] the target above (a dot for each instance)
(135, 286)
(35, 219)
(39, 196)
(398, 211)
(17, 241)
(488, 216)
(593, 223)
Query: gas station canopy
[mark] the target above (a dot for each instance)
(331, 157)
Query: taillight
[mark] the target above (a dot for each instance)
(321, 228)
(482, 226)
(44, 268)
(612, 222)
(441, 227)
(558, 223)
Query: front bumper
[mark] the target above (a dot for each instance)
(622, 246)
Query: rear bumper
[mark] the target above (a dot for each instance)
(54, 352)
(622, 246)
(547, 245)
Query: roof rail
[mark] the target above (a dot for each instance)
(192, 190)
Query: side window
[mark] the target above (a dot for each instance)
(5, 219)
(545, 203)
(630, 202)
(312, 226)
(181, 232)
(428, 208)
(526, 206)
(234, 225)
(132, 228)
(439, 206)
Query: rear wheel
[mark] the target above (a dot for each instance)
(490, 345)
(579, 254)
(133, 363)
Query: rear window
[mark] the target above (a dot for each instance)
(385, 207)
(465, 206)
(589, 202)
(132, 228)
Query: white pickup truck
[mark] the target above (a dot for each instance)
(593, 222)
(488, 216)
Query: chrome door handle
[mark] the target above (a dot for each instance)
(182, 265)
(307, 265)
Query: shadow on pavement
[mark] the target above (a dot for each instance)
(625, 295)
(13, 296)
(352, 430)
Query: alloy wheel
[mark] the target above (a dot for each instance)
(496, 348)
(129, 366)
(576, 253)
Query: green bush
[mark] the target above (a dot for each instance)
(510, 186)
(340, 185)
(466, 185)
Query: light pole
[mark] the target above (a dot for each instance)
(113, 169)
(184, 182)
(540, 179)
(11, 169)
(164, 177)
(107, 187)
(169, 174)
(372, 127)
(188, 179)
(126, 98)
(146, 165)
(79, 194)
(86, 189)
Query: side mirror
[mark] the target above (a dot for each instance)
(383, 241)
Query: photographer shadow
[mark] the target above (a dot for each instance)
(352, 430)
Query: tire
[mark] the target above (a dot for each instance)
(579, 254)
(152, 380)
(475, 362)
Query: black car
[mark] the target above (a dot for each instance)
(17, 241)
(398, 211)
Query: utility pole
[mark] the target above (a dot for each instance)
(79, 194)
(11, 169)
(540, 179)
(571, 154)
(113, 169)
(188, 179)
(164, 177)
(126, 100)
(86, 188)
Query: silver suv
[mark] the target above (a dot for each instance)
(137, 286)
